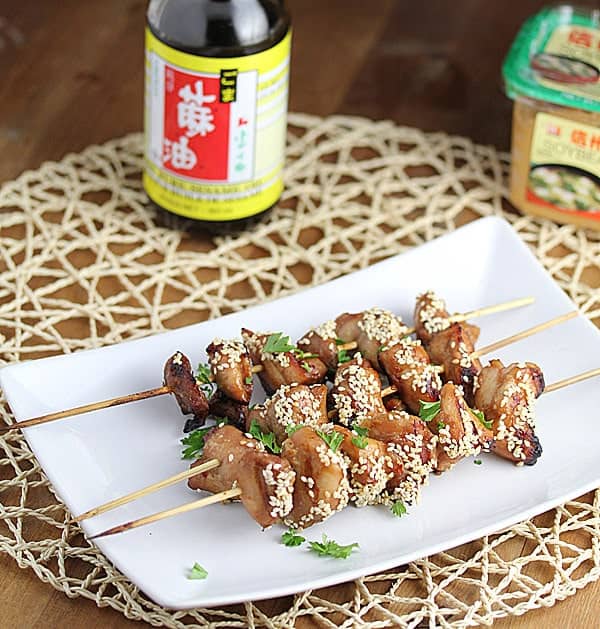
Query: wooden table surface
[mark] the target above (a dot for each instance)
(72, 76)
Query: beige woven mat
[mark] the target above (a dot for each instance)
(84, 263)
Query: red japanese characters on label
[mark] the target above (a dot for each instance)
(200, 137)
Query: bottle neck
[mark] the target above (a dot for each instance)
(218, 28)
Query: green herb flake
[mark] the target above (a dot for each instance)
(478, 461)
(428, 410)
(330, 548)
(290, 538)
(248, 379)
(266, 438)
(197, 572)
(399, 509)
(360, 441)
(339, 341)
(204, 379)
(343, 356)
(332, 439)
(194, 443)
(481, 417)
(290, 429)
(305, 366)
(277, 343)
(441, 425)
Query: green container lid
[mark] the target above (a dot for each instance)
(556, 58)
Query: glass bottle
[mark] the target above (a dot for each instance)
(215, 108)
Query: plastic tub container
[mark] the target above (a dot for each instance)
(552, 72)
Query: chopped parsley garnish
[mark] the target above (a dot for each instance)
(290, 429)
(305, 366)
(248, 380)
(481, 417)
(277, 343)
(428, 410)
(204, 379)
(266, 438)
(339, 341)
(303, 355)
(329, 548)
(290, 538)
(478, 461)
(343, 356)
(441, 425)
(197, 572)
(194, 443)
(332, 439)
(360, 441)
(399, 509)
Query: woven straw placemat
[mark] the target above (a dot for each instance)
(85, 263)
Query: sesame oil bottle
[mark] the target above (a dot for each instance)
(216, 96)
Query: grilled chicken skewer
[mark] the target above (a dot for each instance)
(237, 384)
(236, 491)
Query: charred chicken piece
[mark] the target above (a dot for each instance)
(322, 341)
(321, 486)
(371, 466)
(357, 392)
(291, 405)
(448, 344)
(286, 367)
(371, 329)
(266, 480)
(460, 431)
(236, 413)
(409, 369)
(191, 399)
(414, 444)
(231, 369)
(506, 396)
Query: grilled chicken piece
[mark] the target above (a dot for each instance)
(357, 392)
(371, 329)
(409, 369)
(282, 367)
(179, 378)
(322, 341)
(460, 432)
(321, 487)
(266, 480)
(231, 369)
(448, 344)
(371, 466)
(236, 413)
(291, 405)
(409, 438)
(506, 396)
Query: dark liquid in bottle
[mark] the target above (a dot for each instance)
(220, 29)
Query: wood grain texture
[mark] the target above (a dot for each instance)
(72, 76)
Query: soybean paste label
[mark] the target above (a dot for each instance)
(565, 166)
(215, 130)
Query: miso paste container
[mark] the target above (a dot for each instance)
(552, 72)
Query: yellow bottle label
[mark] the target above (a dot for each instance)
(564, 172)
(215, 130)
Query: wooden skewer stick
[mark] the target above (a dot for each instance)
(142, 395)
(161, 515)
(572, 380)
(117, 502)
(524, 334)
(94, 406)
(457, 318)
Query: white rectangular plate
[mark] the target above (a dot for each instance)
(96, 457)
